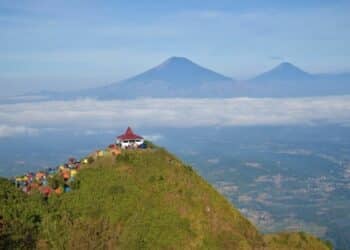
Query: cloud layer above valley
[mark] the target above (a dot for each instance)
(27, 118)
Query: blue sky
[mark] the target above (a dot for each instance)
(74, 44)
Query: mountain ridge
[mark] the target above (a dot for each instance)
(179, 77)
(139, 199)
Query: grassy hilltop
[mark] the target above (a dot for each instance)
(142, 199)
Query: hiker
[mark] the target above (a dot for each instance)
(66, 175)
(44, 181)
(66, 188)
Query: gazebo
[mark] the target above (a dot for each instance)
(129, 139)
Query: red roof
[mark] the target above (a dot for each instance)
(129, 135)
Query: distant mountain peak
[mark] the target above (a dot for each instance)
(176, 61)
(288, 66)
(179, 71)
(283, 72)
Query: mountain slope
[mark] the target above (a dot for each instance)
(179, 71)
(288, 241)
(176, 77)
(19, 217)
(138, 200)
(287, 80)
(283, 72)
(152, 201)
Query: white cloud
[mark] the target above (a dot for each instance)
(94, 114)
(8, 131)
(213, 161)
(153, 137)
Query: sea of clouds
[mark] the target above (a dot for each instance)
(29, 118)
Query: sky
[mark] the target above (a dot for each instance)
(63, 45)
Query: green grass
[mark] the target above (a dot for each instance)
(295, 241)
(145, 199)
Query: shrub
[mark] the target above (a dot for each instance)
(152, 179)
(56, 181)
(91, 159)
(75, 184)
(117, 189)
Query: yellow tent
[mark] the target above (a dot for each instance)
(73, 172)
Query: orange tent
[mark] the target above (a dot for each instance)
(115, 151)
(34, 186)
(39, 175)
(58, 191)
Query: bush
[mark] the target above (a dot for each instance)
(20, 217)
(117, 189)
(124, 157)
(56, 181)
(75, 184)
(91, 159)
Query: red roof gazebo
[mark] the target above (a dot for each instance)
(129, 135)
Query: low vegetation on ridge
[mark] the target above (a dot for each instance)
(140, 199)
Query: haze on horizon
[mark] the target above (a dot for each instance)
(71, 45)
